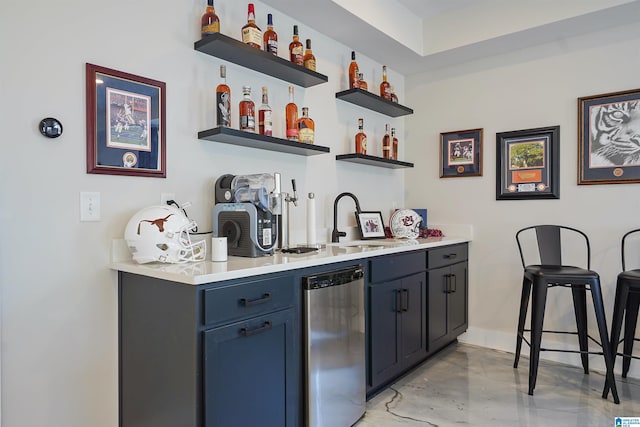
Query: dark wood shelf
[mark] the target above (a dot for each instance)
(232, 50)
(365, 159)
(254, 140)
(373, 102)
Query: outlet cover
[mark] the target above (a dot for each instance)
(89, 206)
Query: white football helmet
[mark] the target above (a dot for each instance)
(161, 233)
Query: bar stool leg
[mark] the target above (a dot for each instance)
(630, 321)
(524, 305)
(580, 309)
(598, 306)
(538, 304)
(619, 307)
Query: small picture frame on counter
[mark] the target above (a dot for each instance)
(370, 224)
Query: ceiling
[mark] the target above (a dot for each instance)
(442, 33)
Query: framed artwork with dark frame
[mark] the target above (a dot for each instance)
(461, 153)
(609, 138)
(527, 164)
(125, 123)
(370, 224)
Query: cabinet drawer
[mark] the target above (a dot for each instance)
(446, 255)
(394, 266)
(244, 300)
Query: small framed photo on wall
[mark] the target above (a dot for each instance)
(461, 153)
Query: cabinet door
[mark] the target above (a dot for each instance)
(413, 322)
(458, 303)
(384, 328)
(250, 373)
(437, 307)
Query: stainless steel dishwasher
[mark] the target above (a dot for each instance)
(334, 347)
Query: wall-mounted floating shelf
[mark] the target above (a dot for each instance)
(232, 50)
(254, 140)
(373, 102)
(373, 161)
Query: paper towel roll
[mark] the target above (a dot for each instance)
(311, 220)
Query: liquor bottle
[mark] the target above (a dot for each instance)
(270, 37)
(309, 59)
(296, 49)
(247, 111)
(223, 100)
(386, 143)
(291, 114)
(385, 87)
(210, 23)
(361, 83)
(394, 97)
(361, 139)
(251, 34)
(354, 75)
(306, 127)
(394, 144)
(265, 124)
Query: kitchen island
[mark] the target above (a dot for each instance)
(220, 344)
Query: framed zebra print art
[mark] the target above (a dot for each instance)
(609, 138)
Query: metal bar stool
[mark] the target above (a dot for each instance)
(625, 307)
(544, 243)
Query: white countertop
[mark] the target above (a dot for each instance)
(199, 273)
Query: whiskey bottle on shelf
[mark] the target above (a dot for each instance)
(386, 143)
(265, 123)
(361, 139)
(306, 127)
(394, 97)
(251, 34)
(270, 37)
(394, 144)
(362, 83)
(210, 23)
(247, 111)
(296, 50)
(291, 115)
(223, 100)
(354, 75)
(385, 87)
(309, 59)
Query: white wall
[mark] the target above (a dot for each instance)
(531, 88)
(59, 298)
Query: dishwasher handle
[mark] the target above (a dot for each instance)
(333, 278)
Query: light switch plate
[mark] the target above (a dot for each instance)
(89, 206)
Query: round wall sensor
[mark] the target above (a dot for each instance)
(50, 127)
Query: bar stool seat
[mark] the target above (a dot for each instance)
(548, 273)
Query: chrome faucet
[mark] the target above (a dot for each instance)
(335, 234)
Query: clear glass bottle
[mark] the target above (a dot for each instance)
(270, 37)
(385, 87)
(209, 23)
(394, 97)
(296, 50)
(394, 144)
(306, 127)
(386, 143)
(247, 111)
(308, 59)
(251, 33)
(361, 138)
(362, 83)
(291, 115)
(223, 100)
(265, 123)
(354, 75)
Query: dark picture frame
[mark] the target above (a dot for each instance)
(370, 224)
(461, 153)
(608, 137)
(126, 117)
(527, 164)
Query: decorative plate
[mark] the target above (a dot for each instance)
(405, 223)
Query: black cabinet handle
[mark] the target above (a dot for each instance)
(398, 300)
(451, 256)
(406, 305)
(248, 303)
(455, 284)
(445, 283)
(248, 332)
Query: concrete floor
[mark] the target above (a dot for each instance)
(468, 385)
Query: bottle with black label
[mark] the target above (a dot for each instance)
(223, 100)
